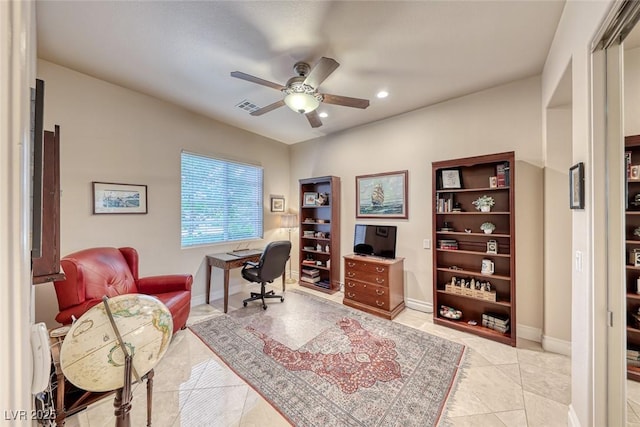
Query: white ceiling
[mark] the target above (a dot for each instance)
(421, 52)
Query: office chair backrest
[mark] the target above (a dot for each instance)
(274, 259)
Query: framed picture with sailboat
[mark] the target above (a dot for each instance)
(382, 195)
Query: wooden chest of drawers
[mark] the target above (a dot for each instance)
(374, 285)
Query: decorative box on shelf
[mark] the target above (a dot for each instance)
(474, 293)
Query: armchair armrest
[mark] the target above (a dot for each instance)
(251, 264)
(169, 283)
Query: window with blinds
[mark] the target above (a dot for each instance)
(221, 200)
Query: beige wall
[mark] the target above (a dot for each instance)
(572, 45)
(557, 231)
(501, 119)
(112, 134)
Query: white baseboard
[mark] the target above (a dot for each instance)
(572, 418)
(555, 345)
(415, 304)
(529, 333)
(216, 294)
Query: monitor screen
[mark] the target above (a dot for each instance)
(376, 240)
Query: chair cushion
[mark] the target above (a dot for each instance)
(107, 274)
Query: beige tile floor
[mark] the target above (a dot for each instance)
(498, 385)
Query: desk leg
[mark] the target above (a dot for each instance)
(208, 281)
(226, 289)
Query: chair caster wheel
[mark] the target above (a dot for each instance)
(264, 307)
(244, 304)
(281, 299)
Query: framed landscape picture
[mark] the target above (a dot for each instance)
(112, 198)
(382, 195)
(277, 204)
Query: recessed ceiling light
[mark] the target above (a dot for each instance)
(382, 94)
(323, 115)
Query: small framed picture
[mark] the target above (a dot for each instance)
(310, 199)
(113, 198)
(634, 172)
(492, 247)
(277, 204)
(636, 260)
(450, 178)
(493, 182)
(576, 186)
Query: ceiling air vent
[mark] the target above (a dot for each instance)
(247, 106)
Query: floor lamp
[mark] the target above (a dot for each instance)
(289, 221)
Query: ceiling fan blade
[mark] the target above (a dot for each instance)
(314, 119)
(345, 101)
(321, 71)
(253, 79)
(268, 108)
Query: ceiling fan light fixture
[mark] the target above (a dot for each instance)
(302, 103)
(301, 97)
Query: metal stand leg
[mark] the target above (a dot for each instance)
(122, 401)
(149, 396)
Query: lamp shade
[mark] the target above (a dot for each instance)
(301, 102)
(288, 221)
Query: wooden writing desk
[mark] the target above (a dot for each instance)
(227, 261)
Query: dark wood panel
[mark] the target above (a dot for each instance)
(46, 268)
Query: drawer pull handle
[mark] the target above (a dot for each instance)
(350, 273)
(350, 295)
(379, 292)
(379, 304)
(350, 284)
(379, 280)
(380, 269)
(351, 264)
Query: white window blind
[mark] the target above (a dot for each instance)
(221, 200)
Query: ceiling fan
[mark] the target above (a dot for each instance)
(301, 92)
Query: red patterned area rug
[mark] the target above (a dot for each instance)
(324, 364)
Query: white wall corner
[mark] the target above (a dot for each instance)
(573, 420)
(529, 333)
(419, 305)
(555, 345)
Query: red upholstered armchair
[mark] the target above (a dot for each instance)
(93, 273)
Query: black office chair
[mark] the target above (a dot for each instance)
(271, 266)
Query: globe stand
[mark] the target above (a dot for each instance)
(122, 401)
(96, 359)
(124, 395)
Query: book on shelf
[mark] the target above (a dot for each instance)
(309, 279)
(323, 284)
(495, 319)
(311, 272)
(495, 327)
(448, 244)
(444, 205)
(309, 262)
